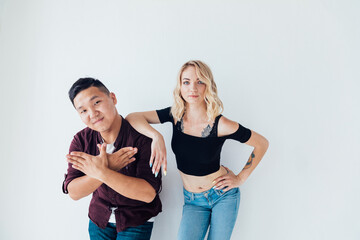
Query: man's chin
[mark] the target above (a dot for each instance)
(99, 128)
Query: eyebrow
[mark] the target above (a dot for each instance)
(189, 79)
(92, 98)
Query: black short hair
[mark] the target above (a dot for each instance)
(85, 83)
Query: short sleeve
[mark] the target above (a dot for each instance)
(72, 173)
(242, 134)
(143, 170)
(165, 115)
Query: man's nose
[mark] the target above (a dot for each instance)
(93, 112)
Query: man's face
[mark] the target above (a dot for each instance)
(96, 109)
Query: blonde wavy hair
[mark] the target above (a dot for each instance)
(214, 106)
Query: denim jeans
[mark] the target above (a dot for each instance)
(213, 208)
(142, 232)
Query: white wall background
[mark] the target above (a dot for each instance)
(286, 69)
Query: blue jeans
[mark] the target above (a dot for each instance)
(142, 232)
(213, 208)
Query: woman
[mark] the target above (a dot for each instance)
(211, 191)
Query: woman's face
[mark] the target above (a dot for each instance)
(192, 88)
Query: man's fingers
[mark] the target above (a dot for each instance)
(74, 158)
(75, 164)
(79, 154)
(131, 153)
(123, 151)
(127, 162)
(125, 154)
(76, 167)
(103, 149)
(131, 160)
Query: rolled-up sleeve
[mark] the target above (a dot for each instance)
(72, 173)
(143, 169)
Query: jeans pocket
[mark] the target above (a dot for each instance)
(233, 193)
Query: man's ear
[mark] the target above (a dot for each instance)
(113, 97)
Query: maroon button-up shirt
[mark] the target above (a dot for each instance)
(129, 212)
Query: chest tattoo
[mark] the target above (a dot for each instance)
(205, 132)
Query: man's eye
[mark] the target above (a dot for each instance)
(97, 102)
(83, 111)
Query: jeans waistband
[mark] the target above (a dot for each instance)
(202, 194)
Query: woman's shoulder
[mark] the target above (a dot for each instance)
(165, 115)
(226, 126)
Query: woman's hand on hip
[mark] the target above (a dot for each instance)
(227, 181)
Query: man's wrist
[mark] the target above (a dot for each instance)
(103, 174)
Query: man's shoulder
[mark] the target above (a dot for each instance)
(84, 137)
(86, 133)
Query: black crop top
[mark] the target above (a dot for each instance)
(199, 156)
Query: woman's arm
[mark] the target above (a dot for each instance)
(260, 144)
(141, 122)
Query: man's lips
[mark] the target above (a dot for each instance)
(98, 120)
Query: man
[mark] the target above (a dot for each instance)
(125, 192)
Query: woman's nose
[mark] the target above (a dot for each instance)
(193, 87)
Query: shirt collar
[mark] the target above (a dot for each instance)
(119, 138)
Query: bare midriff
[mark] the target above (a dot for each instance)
(198, 184)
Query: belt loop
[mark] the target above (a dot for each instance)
(192, 196)
(219, 192)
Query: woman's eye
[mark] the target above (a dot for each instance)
(200, 82)
(186, 82)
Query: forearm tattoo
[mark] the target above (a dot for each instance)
(249, 162)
